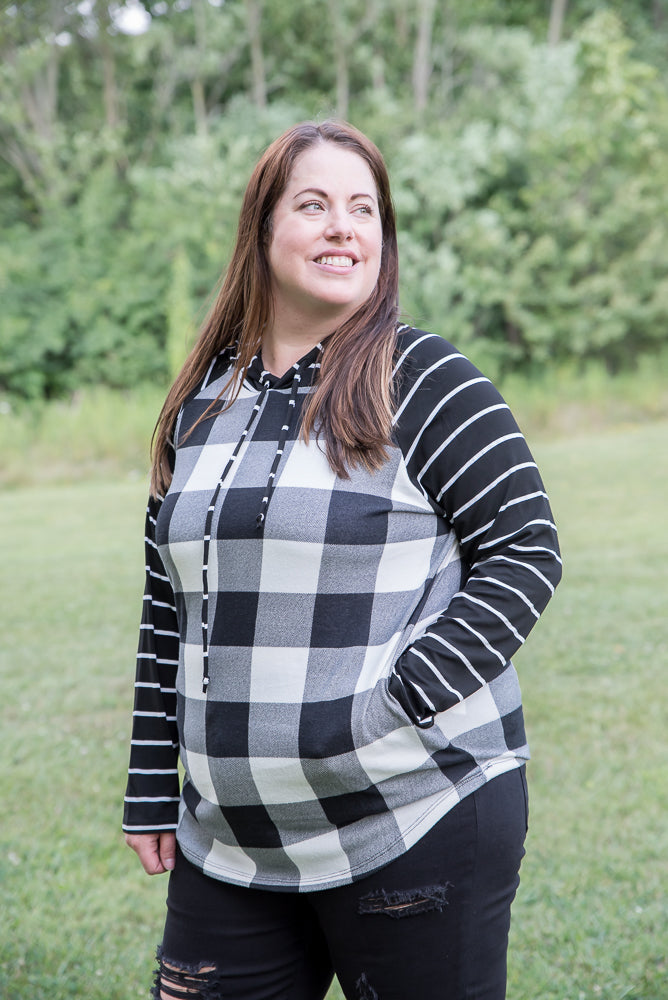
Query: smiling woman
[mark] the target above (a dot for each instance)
(325, 251)
(346, 541)
(351, 401)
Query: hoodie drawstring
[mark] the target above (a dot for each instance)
(285, 429)
(267, 382)
(207, 535)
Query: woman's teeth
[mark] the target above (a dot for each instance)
(336, 261)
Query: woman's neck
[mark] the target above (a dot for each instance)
(282, 347)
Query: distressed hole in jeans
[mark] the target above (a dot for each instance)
(364, 990)
(405, 902)
(179, 981)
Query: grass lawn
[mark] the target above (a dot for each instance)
(80, 920)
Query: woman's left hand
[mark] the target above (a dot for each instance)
(156, 851)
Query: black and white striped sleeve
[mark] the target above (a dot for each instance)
(152, 795)
(465, 451)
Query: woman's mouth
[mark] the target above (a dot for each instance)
(335, 261)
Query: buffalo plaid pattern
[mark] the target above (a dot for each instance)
(331, 657)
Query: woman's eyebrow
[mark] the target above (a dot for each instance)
(323, 194)
(310, 190)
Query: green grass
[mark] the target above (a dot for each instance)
(96, 434)
(79, 918)
(592, 914)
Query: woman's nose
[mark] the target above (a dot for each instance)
(339, 226)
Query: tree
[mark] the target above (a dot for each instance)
(557, 14)
(29, 132)
(422, 59)
(254, 28)
(530, 179)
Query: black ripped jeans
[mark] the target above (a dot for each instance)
(431, 925)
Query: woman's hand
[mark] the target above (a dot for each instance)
(156, 851)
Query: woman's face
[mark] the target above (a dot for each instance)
(326, 237)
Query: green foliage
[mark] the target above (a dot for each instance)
(548, 231)
(179, 312)
(96, 434)
(531, 191)
(82, 300)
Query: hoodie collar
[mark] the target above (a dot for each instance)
(259, 378)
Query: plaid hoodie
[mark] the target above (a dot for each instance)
(331, 657)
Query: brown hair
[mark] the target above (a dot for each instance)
(351, 403)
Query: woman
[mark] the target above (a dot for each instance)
(347, 539)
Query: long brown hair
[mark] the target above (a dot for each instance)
(350, 406)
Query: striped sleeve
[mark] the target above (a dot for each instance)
(466, 453)
(152, 795)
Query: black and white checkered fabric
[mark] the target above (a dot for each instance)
(331, 657)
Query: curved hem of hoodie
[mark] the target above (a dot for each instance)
(425, 822)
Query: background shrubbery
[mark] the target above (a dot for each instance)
(531, 179)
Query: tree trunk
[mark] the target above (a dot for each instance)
(557, 14)
(196, 83)
(109, 88)
(369, 25)
(253, 26)
(39, 98)
(340, 61)
(658, 14)
(28, 143)
(422, 57)
(111, 115)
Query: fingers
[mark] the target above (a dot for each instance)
(167, 850)
(156, 851)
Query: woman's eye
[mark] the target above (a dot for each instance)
(364, 209)
(312, 205)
